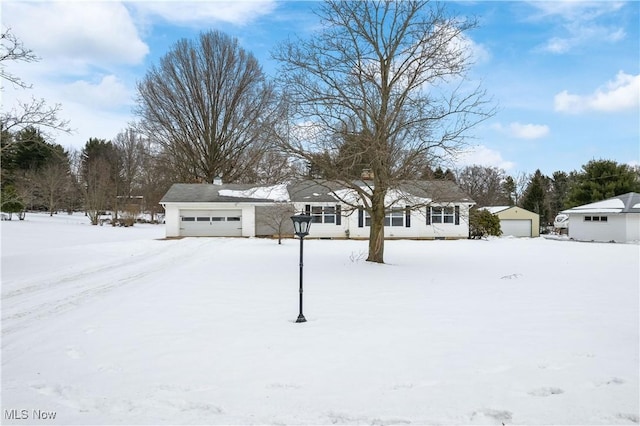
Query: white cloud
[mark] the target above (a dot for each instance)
(573, 10)
(186, 13)
(99, 33)
(623, 93)
(581, 34)
(109, 93)
(579, 23)
(523, 131)
(477, 52)
(483, 156)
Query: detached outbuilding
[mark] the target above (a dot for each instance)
(516, 221)
(615, 219)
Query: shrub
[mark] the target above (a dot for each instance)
(482, 223)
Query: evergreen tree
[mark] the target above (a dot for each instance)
(601, 179)
(559, 191)
(10, 201)
(535, 197)
(509, 186)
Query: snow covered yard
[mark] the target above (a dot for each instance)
(105, 325)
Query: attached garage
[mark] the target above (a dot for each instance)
(516, 221)
(210, 223)
(205, 210)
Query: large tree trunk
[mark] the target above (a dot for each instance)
(376, 232)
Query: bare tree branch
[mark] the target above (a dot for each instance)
(210, 108)
(381, 87)
(25, 114)
(12, 50)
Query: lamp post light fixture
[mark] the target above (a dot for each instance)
(301, 225)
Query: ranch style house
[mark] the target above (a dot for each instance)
(421, 210)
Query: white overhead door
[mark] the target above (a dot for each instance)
(516, 227)
(211, 223)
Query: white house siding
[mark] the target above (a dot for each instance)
(614, 229)
(418, 229)
(348, 222)
(326, 230)
(633, 226)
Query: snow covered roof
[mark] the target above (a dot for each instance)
(207, 193)
(494, 209)
(411, 192)
(625, 203)
(273, 192)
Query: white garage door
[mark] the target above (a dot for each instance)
(211, 223)
(516, 227)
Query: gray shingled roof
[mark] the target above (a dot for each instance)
(310, 191)
(443, 191)
(206, 193)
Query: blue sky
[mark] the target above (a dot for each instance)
(564, 75)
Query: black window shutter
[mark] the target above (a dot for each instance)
(360, 217)
(428, 215)
(338, 215)
(307, 209)
(407, 213)
(457, 215)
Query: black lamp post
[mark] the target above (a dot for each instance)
(301, 225)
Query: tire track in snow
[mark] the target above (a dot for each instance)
(38, 301)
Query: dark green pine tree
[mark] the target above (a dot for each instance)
(509, 186)
(535, 197)
(559, 191)
(601, 179)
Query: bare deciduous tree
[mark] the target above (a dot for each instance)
(486, 185)
(98, 177)
(129, 146)
(382, 83)
(97, 188)
(209, 106)
(53, 181)
(276, 219)
(35, 113)
(12, 50)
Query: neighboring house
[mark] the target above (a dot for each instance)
(614, 219)
(516, 221)
(425, 209)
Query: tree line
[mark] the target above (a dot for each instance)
(118, 175)
(110, 175)
(548, 195)
(381, 87)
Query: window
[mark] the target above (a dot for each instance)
(395, 217)
(323, 214)
(233, 219)
(596, 218)
(442, 215)
(188, 219)
(202, 219)
(217, 219)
